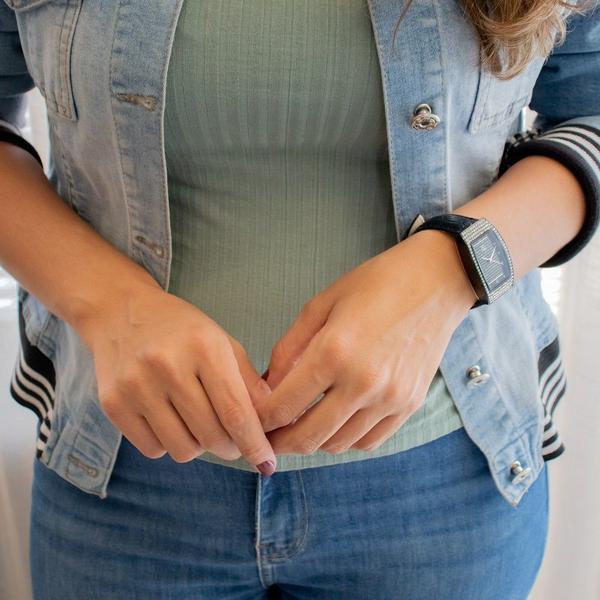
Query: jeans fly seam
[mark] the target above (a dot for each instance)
(257, 545)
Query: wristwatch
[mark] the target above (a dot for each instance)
(483, 252)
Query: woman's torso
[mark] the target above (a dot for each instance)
(102, 68)
(278, 174)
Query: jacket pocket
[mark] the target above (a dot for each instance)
(498, 102)
(46, 29)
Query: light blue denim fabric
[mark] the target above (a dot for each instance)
(101, 67)
(423, 524)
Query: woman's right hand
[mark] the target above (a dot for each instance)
(172, 380)
(168, 376)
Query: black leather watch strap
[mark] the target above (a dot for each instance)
(448, 222)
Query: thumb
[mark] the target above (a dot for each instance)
(289, 348)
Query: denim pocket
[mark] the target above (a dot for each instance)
(498, 102)
(46, 29)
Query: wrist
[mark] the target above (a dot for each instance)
(455, 284)
(90, 311)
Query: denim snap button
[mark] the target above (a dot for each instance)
(476, 377)
(520, 473)
(158, 250)
(423, 118)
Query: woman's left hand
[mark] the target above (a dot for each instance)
(372, 341)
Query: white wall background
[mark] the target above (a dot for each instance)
(571, 567)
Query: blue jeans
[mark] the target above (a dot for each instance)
(424, 524)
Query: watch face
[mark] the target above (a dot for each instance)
(492, 260)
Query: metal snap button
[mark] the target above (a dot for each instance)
(476, 377)
(519, 472)
(159, 250)
(423, 118)
(91, 471)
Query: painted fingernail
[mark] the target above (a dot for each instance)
(267, 468)
(265, 374)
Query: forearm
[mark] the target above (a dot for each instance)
(52, 251)
(537, 205)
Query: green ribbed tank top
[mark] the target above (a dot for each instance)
(278, 175)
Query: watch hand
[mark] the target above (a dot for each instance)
(490, 258)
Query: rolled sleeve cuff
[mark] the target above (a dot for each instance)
(576, 144)
(11, 134)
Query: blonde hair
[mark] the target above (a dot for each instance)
(513, 32)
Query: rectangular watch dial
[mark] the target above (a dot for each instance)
(492, 260)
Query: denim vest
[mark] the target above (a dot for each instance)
(101, 67)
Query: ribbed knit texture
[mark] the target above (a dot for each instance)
(278, 175)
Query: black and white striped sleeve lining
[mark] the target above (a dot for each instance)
(552, 387)
(577, 146)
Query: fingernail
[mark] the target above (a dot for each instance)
(265, 374)
(267, 468)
